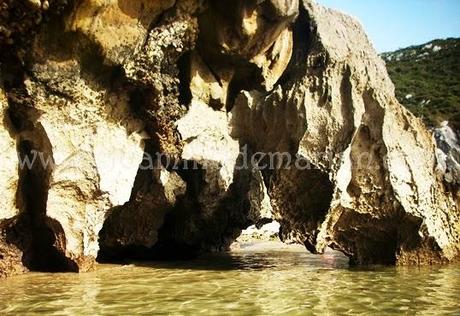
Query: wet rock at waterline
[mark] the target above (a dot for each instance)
(146, 127)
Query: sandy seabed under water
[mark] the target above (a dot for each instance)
(259, 278)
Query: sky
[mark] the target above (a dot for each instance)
(394, 24)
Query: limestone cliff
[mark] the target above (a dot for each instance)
(139, 130)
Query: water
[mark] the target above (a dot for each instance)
(248, 282)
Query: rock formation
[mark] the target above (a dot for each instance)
(158, 129)
(448, 153)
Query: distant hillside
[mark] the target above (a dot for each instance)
(427, 80)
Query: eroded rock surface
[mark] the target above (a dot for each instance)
(9, 166)
(387, 203)
(10, 255)
(96, 147)
(141, 119)
(118, 27)
(448, 153)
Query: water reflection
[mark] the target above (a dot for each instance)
(245, 282)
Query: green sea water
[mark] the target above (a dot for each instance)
(250, 281)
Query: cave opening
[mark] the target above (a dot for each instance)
(301, 199)
(186, 229)
(181, 229)
(40, 238)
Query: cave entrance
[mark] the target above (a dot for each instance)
(36, 240)
(40, 238)
(154, 226)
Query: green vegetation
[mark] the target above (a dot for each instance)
(427, 80)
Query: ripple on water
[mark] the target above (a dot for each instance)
(245, 282)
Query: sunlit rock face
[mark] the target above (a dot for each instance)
(9, 166)
(448, 153)
(142, 119)
(118, 27)
(79, 146)
(10, 260)
(337, 107)
(96, 148)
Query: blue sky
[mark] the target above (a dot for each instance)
(393, 24)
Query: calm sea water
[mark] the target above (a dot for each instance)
(247, 282)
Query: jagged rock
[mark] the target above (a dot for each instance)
(154, 71)
(267, 232)
(205, 86)
(136, 223)
(448, 153)
(275, 60)
(20, 21)
(246, 28)
(261, 210)
(387, 204)
(247, 43)
(207, 141)
(96, 150)
(9, 165)
(10, 255)
(118, 27)
(210, 84)
(199, 203)
(82, 148)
